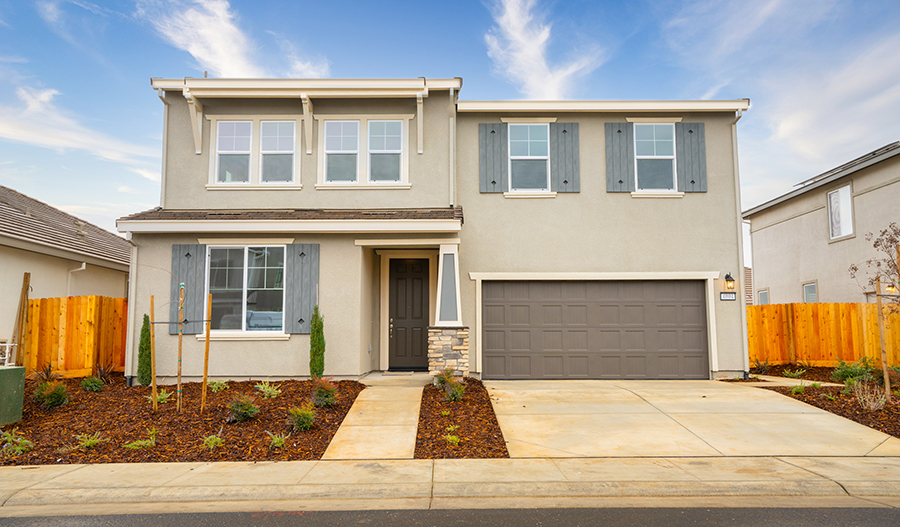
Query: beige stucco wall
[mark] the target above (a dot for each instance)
(340, 262)
(50, 278)
(792, 246)
(598, 231)
(187, 173)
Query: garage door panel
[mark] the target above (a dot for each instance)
(595, 329)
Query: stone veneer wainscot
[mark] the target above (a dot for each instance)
(448, 348)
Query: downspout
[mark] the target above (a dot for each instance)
(129, 325)
(69, 277)
(740, 244)
(162, 178)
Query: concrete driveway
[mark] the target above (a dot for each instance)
(670, 419)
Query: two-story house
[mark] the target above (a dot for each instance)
(805, 241)
(514, 239)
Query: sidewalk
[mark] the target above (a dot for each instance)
(424, 484)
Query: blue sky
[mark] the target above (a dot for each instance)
(81, 129)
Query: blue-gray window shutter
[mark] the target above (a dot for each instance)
(493, 157)
(301, 271)
(564, 168)
(189, 268)
(619, 157)
(690, 153)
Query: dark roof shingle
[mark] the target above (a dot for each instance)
(158, 214)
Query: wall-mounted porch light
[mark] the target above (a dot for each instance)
(891, 288)
(729, 282)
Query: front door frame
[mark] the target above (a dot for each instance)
(386, 256)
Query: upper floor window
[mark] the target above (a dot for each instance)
(385, 150)
(341, 151)
(840, 210)
(529, 157)
(254, 152)
(233, 151)
(654, 152)
(277, 151)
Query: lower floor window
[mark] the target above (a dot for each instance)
(247, 288)
(810, 294)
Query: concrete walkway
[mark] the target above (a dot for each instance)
(383, 420)
(423, 484)
(671, 418)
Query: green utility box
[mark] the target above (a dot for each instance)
(12, 394)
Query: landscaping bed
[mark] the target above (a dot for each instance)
(812, 373)
(123, 414)
(477, 428)
(886, 420)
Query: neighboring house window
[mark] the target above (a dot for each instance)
(840, 208)
(277, 151)
(233, 151)
(810, 294)
(247, 288)
(529, 157)
(763, 297)
(654, 152)
(341, 151)
(385, 150)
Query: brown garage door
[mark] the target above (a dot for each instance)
(594, 330)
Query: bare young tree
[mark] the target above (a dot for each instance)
(884, 266)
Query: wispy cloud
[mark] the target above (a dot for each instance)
(297, 66)
(41, 123)
(152, 175)
(13, 60)
(518, 44)
(82, 27)
(206, 29)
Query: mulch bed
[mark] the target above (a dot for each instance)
(813, 373)
(886, 420)
(122, 414)
(478, 431)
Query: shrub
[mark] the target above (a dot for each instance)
(797, 390)
(303, 417)
(51, 394)
(45, 374)
(218, 386)
(870, 397)
(815, 385)
(859, 369)
(793, 374)
(454, 391)
(316, 344)
(144, 372)
(269, 391)
(444, 378)
(277, 440)
(453, 440)
(212, 441)
(762, 367)
(849, 383)
(89, 441)
(324, 392)
(829, 396)
(162, 396)
(452, 428)
(241, 408)
(105, 373)
(144, 443)
(14, 444)
(91, 384)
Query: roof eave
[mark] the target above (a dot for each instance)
(603, 106)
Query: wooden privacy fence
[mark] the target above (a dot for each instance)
(822, 334)
(76, 333)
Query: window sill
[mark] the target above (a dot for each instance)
(363, 186)
(842, 238)
(529, 194)
(245, 335)
(662, 194)
(247, 186)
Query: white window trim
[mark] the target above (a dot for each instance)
(363, 183)
(255, 182)
(243, 333)
(341, 152)
(657, 191)
(370, 151)
(813, 283)
(293, 153)
(511, 157)
(852, 214)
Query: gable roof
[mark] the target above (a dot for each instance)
(28, 220)
(874, 157)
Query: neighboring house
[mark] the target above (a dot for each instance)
(594, 244)
(805, 241)
(65, 256)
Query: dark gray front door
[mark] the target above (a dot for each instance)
(595, 330)
(408, 315)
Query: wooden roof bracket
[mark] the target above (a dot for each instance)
(307, 121)
(420, 120)
(196, 110)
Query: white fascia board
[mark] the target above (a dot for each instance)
(292, 226)
(604, 106)
(666, 275)
(59, 252)
(309, 87)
